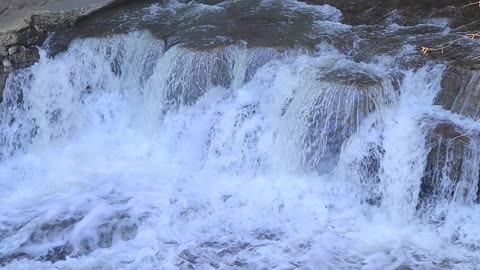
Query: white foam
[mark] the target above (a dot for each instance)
(153, 182)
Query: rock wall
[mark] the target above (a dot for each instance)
(461, 91)
(19, 41)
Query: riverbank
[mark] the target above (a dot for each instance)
(25, 24)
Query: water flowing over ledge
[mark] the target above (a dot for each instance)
(132, 152)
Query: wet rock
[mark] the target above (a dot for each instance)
(4, 260)
(18, 45)
(6, 63)
(52, 230)
(16, 61)
(3, 51)
(368, 173)
(461, 91)
(404, 267)
(51, 22)
(452, 165)
(356, 89)
(13, 50)
(405, 12)
(3, 81)
(24, 57)
(59, 253)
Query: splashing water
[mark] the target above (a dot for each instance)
(121, 154)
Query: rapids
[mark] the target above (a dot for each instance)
(129, 151)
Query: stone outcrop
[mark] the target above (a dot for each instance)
(461, 91)
(404, 12)
(451, 171)
(452, 165)
(453, 161)
(24, 25)
(359, 92)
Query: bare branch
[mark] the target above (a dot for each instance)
(471, 4)
(441, 48)
(474, 35)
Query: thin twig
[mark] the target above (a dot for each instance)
(474, 35)
(471, 4)
(441, 48)
(426, 50)
(468, 131)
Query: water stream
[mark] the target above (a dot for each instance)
(125, 152)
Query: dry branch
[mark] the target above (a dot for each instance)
(471, 4)
(441, 48)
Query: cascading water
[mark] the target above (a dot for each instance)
(120, 153)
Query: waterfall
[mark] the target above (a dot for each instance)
(120, 153)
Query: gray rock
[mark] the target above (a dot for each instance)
(3, 81)
(452, 163)
(3, 6)
(408, 12)
(461, 91)
(29, 55)
(18, 45)
(13, 50)
(6, 63)
(3, 51)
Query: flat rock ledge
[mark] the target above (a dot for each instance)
(25, 24)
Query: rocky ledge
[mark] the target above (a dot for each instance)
(25, 24)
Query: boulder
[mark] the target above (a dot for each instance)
(405, 12)
(453, 163)
(13, 50)
(3, 51)
(358, 91)
(24, 56)
(460, 91)
(6, 63)
(3, 80)
(19, 41)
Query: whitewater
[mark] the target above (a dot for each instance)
(126, 152)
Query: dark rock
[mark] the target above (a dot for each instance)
(4, 260)
(369, 168)
(360, 92)
(27, 56)
(18, 47)
(24, 57)
(3, 81)
(3, 51)
(461, 91)
(452, 164)
(54, 21)
(6, 63)
(404, 267)
(59, 253)
(405, 12)
(13, 50)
